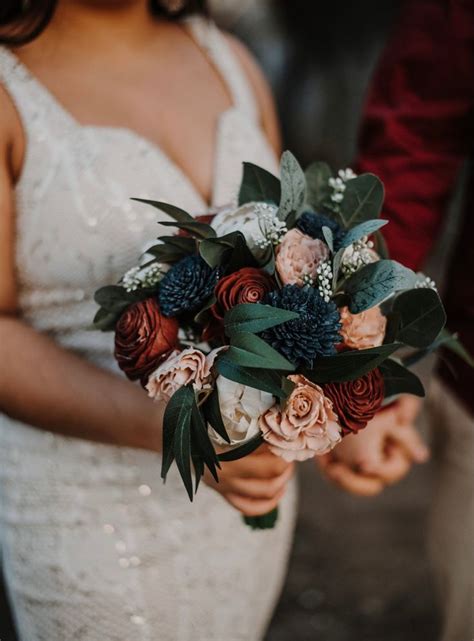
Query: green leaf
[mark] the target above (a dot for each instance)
(328, 237)
(243, 450)
(257, 378)
(112, 297)
(165, 253)
(362, 229)
(177, 435)
(255, 317)
(177, 214)
(230, 250)
(399, 380)
(375, 282)
(258, 185)
(187, 245)
(195, 228)
(250, 350)
(213, 415)
(105, 320)
(202, 442)
(293, 186)
(198, 465)
(445, 340)
(380, 245)
(420, 315)
(317, 184)
(363, 200)
(347, 366)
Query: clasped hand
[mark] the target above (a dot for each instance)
(379, 455)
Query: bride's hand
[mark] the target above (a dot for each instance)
(255, 484)
(381, 454)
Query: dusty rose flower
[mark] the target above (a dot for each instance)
(307, 426)
(246, 285)
(364, 330)
(143, 337)
(356, 402)
(299, 255)
(181, 368)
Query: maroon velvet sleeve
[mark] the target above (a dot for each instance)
(418, 121)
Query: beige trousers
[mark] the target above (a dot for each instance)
(451, 537)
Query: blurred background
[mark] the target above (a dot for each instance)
(359, 570)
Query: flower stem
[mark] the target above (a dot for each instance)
(263, 522)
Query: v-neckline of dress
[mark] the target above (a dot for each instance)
(191, 27)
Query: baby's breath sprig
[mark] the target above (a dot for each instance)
(324, 271)
(425, 282)
(272, 228)
(142, 277)
(339, 184)
(357, 255)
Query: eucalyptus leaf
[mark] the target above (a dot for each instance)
(373, 283)
(112, 297)
(187, 245)
(363, 200)
(445, 340)
(177, 214)
(336, 267)
(255, 318)
(242, 450)
(230, 250)
(317, 184)
(420, 315)
(250, 350)
(258, 185)
(105, 320)
(399, 380)
(328, 237)
(293, 186)
(347, 366)
(257, 378)
(362, 229)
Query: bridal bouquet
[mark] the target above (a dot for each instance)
(277, 320)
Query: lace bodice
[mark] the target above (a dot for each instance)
(77, 228)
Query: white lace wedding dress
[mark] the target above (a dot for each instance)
(94, 546)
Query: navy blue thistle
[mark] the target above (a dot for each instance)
(315, 333)
(312, 224)
(186, 286)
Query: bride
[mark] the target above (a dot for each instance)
(102, 100)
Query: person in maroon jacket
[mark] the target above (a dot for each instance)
(417, 132)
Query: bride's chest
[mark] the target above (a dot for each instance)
(76, 224)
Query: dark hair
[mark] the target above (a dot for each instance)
(22, 21)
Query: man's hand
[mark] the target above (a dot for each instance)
(379, 455)
(254, 484)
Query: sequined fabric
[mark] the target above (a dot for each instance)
(94, 547)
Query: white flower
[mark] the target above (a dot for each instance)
(141, 276)
(258, 222)
(357, 255)
(241, 407)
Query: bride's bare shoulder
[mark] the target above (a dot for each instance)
(261, 90)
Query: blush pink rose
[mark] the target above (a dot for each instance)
(299, 255)
(364, 330)
(306, 427)
(181, 368)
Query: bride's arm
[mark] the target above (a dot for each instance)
(41, 383)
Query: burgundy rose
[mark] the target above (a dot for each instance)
(356, 402)
(143, 338)
(247, 285)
